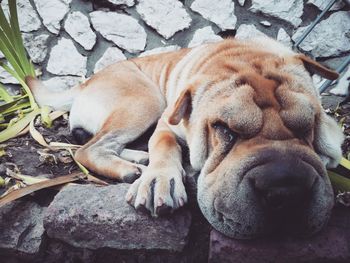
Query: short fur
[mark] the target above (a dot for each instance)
(241, 106)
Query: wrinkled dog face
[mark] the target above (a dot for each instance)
(262, 142)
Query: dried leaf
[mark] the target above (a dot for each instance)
(16, 194)
(26, 179)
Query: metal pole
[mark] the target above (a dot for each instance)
(314, 23)
(340, 69)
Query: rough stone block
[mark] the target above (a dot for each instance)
(331, 245)
(86, 216)
(21, 227)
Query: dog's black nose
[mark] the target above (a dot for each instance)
(284, 184)
(284, 197)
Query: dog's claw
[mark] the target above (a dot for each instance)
(128, 197)
(158, 191)
(160, 202)
(181, 202)
(163, 210)
(142, 209)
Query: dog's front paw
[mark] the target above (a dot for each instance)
(159, 191)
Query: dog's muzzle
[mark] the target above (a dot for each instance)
(279, 194)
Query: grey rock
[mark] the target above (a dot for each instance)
(334, 63)
(330, 37)
(321, 4)
(128, 35)
(220, 12)
(66, 60)
(87, 216)
(122, 2)
(27, 17)
(61, 83)
(36, 46)
(330, 245)
(166, 16)
(241, 2)
(248, 31)
(21, 224)
(77, 25)
(290, 11)
(52, 12)
(159, 50)
(265, 23)
(110, 56)
(204, 35)
(343, 85)
(317, 81)
(284, 38)
(7, 78)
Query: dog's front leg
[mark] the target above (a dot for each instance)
(160, 189)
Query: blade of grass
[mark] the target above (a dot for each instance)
(81, 167)
(85, 171)
(12, 40)
(20, 106)
(23, 84)
(18, 41)
(45, 116)
(345, 163)
(18, 126)
(26, 179)
(10, 54)
(8, 105)
(7, 35)
(4, 95)
(339, 182)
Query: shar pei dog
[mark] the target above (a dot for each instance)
(249, 114)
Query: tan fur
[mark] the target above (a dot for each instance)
(263, 95)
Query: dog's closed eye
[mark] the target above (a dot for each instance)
(225, 133)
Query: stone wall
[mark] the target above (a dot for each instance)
(71, 39)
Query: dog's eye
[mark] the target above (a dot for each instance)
(228, 135)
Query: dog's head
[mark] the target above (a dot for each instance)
(262, 142)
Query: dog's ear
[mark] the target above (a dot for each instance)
(182, 107)
(328, 140)
(316, 68)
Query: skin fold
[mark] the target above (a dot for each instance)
(249, 114)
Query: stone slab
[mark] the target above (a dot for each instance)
(21, 227)
(86, 216)
(331, 245)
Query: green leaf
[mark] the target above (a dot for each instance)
(18, 42)
(16, 128)
(21, 106)
(339, 183)
(7, 105)
(45, 118)
(4, 95)
(81, 167)
(10, 54)
(345, 163)
(23, 84)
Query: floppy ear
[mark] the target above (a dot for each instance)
(182, 107)
(328, 140)
(314, 67)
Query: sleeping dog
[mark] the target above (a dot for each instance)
(249, 114)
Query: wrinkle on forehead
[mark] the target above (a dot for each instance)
(298, 109)
(241, 113)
